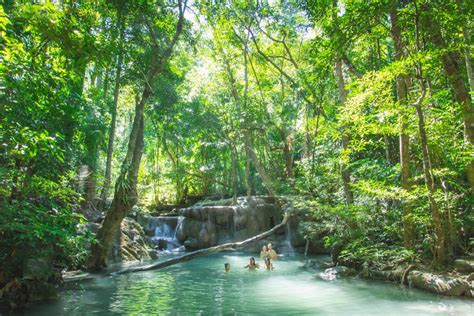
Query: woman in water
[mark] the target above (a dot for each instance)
(268, 264)
(264, 252)
(252, 264)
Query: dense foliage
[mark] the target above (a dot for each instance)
(362, 107)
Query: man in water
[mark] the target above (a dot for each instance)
(264, 252)
(227, 267)
(252, 264)
(271, 253)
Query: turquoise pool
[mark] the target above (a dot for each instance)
(201, 287)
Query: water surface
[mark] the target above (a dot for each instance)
(202, 287)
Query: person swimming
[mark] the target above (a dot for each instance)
(264, 252)
(268, 264)
(271, 253)
(227, 267)
(252, 264)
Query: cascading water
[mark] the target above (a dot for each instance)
(164, 232)
(287, 248)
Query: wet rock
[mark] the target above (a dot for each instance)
(470, 278)
(189, 228)
(394, 275)
(153, 254)
(191, 243)
(336, 272)
(74, 276)
(212, 224)
(440, 284)
(162, 244)
(131, 243)
(464, 265)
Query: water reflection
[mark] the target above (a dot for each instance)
(202, 287)
(136, 293)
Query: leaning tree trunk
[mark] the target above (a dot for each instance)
(345, 173)
(125, 190)
(126, 187)
(402, 91)
(207, 251)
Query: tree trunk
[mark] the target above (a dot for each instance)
(125, 190)
(267, 182)
(247, 139)
(439, 250)
(345, 173)
(288, 157)
(467, 50)
(126, 187)
(402, 91)
(110, 146)
(235, 180)
(207, 251)
(248, 180)
(452, 69)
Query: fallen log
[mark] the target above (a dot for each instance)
(206, 251)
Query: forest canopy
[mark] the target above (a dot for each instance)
(362, 108)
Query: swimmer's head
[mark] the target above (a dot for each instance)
(227, 267)
(269, 246)
(252, 260)
(264, 248)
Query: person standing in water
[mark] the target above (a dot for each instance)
(271, 253)
(264, 252)
(227, 267)
(268, 264)
(252, 264)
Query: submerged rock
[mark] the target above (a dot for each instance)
(439, 284)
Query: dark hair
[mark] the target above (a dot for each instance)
(267, 259)
(226, 264)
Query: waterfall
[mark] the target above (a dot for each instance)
(164, 228)
(178, 226)
(236, 218)
(287, 247)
